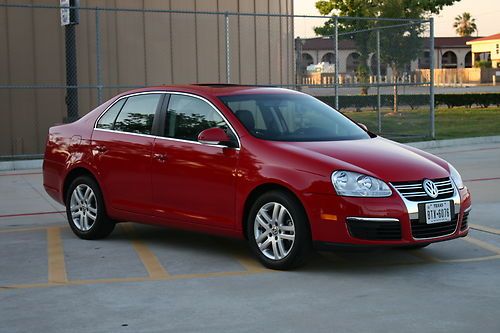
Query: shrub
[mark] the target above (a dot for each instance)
(359, 102)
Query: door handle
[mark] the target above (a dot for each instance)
(160, 157)
(100, 149)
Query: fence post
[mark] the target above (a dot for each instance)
(71, 73)
(431, 87)
(336, 62)
(228, 58)
(379, 115)
(98, 56)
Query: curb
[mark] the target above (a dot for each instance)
(20, 165)
(454, 142)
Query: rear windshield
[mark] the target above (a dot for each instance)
(291, 117)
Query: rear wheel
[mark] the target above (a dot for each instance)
(85, 209)
(278, 231)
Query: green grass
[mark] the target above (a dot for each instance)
(413, 125)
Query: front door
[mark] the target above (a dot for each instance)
(193, 182)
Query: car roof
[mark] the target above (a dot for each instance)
(216, 89)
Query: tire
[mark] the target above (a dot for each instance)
(278, 231)
(85, 209)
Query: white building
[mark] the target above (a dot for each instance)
(449, 52)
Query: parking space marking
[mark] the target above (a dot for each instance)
(57, 267)
(250, 264)
(482, 244)
(32, 214)
(485, 229)
(57, 275)
(148, 258)
(19, 174)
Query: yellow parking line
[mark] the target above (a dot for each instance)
(484, 228)
(55, 252)
(482, 244)
(131, 279)
(148, 258)
(250, 264)
(497, 256)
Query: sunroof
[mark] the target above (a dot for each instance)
(223, 85)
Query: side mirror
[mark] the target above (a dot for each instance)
(363, 126)
(213, 136)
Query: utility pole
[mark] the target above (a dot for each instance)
(70, 18)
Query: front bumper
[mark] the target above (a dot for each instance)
(392, 221)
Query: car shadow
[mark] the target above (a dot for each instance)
(353, 260)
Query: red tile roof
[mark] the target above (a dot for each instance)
(481, 39)
(442, 42)
(320, 43)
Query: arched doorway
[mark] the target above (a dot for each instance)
(352, 62)
(329, 58)
(307, 59)
(468, 60)
(449, 60)
(373, 66)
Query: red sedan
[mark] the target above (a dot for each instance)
(274, 166)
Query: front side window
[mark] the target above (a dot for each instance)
(187, 116)
(137, 115)
(107, 120)
(292, 117)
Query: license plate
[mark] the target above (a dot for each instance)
(437, 212)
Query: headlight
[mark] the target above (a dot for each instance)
(455, 176)
(353, 184)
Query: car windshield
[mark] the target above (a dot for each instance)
(292, 117)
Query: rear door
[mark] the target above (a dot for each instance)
(194, 182)
(122, 147)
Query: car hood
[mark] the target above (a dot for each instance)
(378, 157)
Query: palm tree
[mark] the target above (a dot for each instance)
(465, 25)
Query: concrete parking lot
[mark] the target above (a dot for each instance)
(151, 279)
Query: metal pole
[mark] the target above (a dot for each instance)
(431, 87)
(379, 115)
(336, 62)
(98, 56)
(228, 58)
(71, 73)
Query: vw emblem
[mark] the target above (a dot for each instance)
(430, 188)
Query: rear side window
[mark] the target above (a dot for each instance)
(137, 115)
(108, 119)
(187, 116)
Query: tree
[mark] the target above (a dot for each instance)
(400, 43)
(465, 25)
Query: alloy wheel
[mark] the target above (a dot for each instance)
(83, 206)
(274, 231)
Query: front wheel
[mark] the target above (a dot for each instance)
(85, 209)
(278, 231)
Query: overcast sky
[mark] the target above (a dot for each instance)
(486, 13)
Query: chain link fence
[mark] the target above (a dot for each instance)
(366, 68)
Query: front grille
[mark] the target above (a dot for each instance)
(423, 230)
(465, 221)
(414, 190)
(374, 230)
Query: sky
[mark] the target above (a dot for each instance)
(486, 13)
